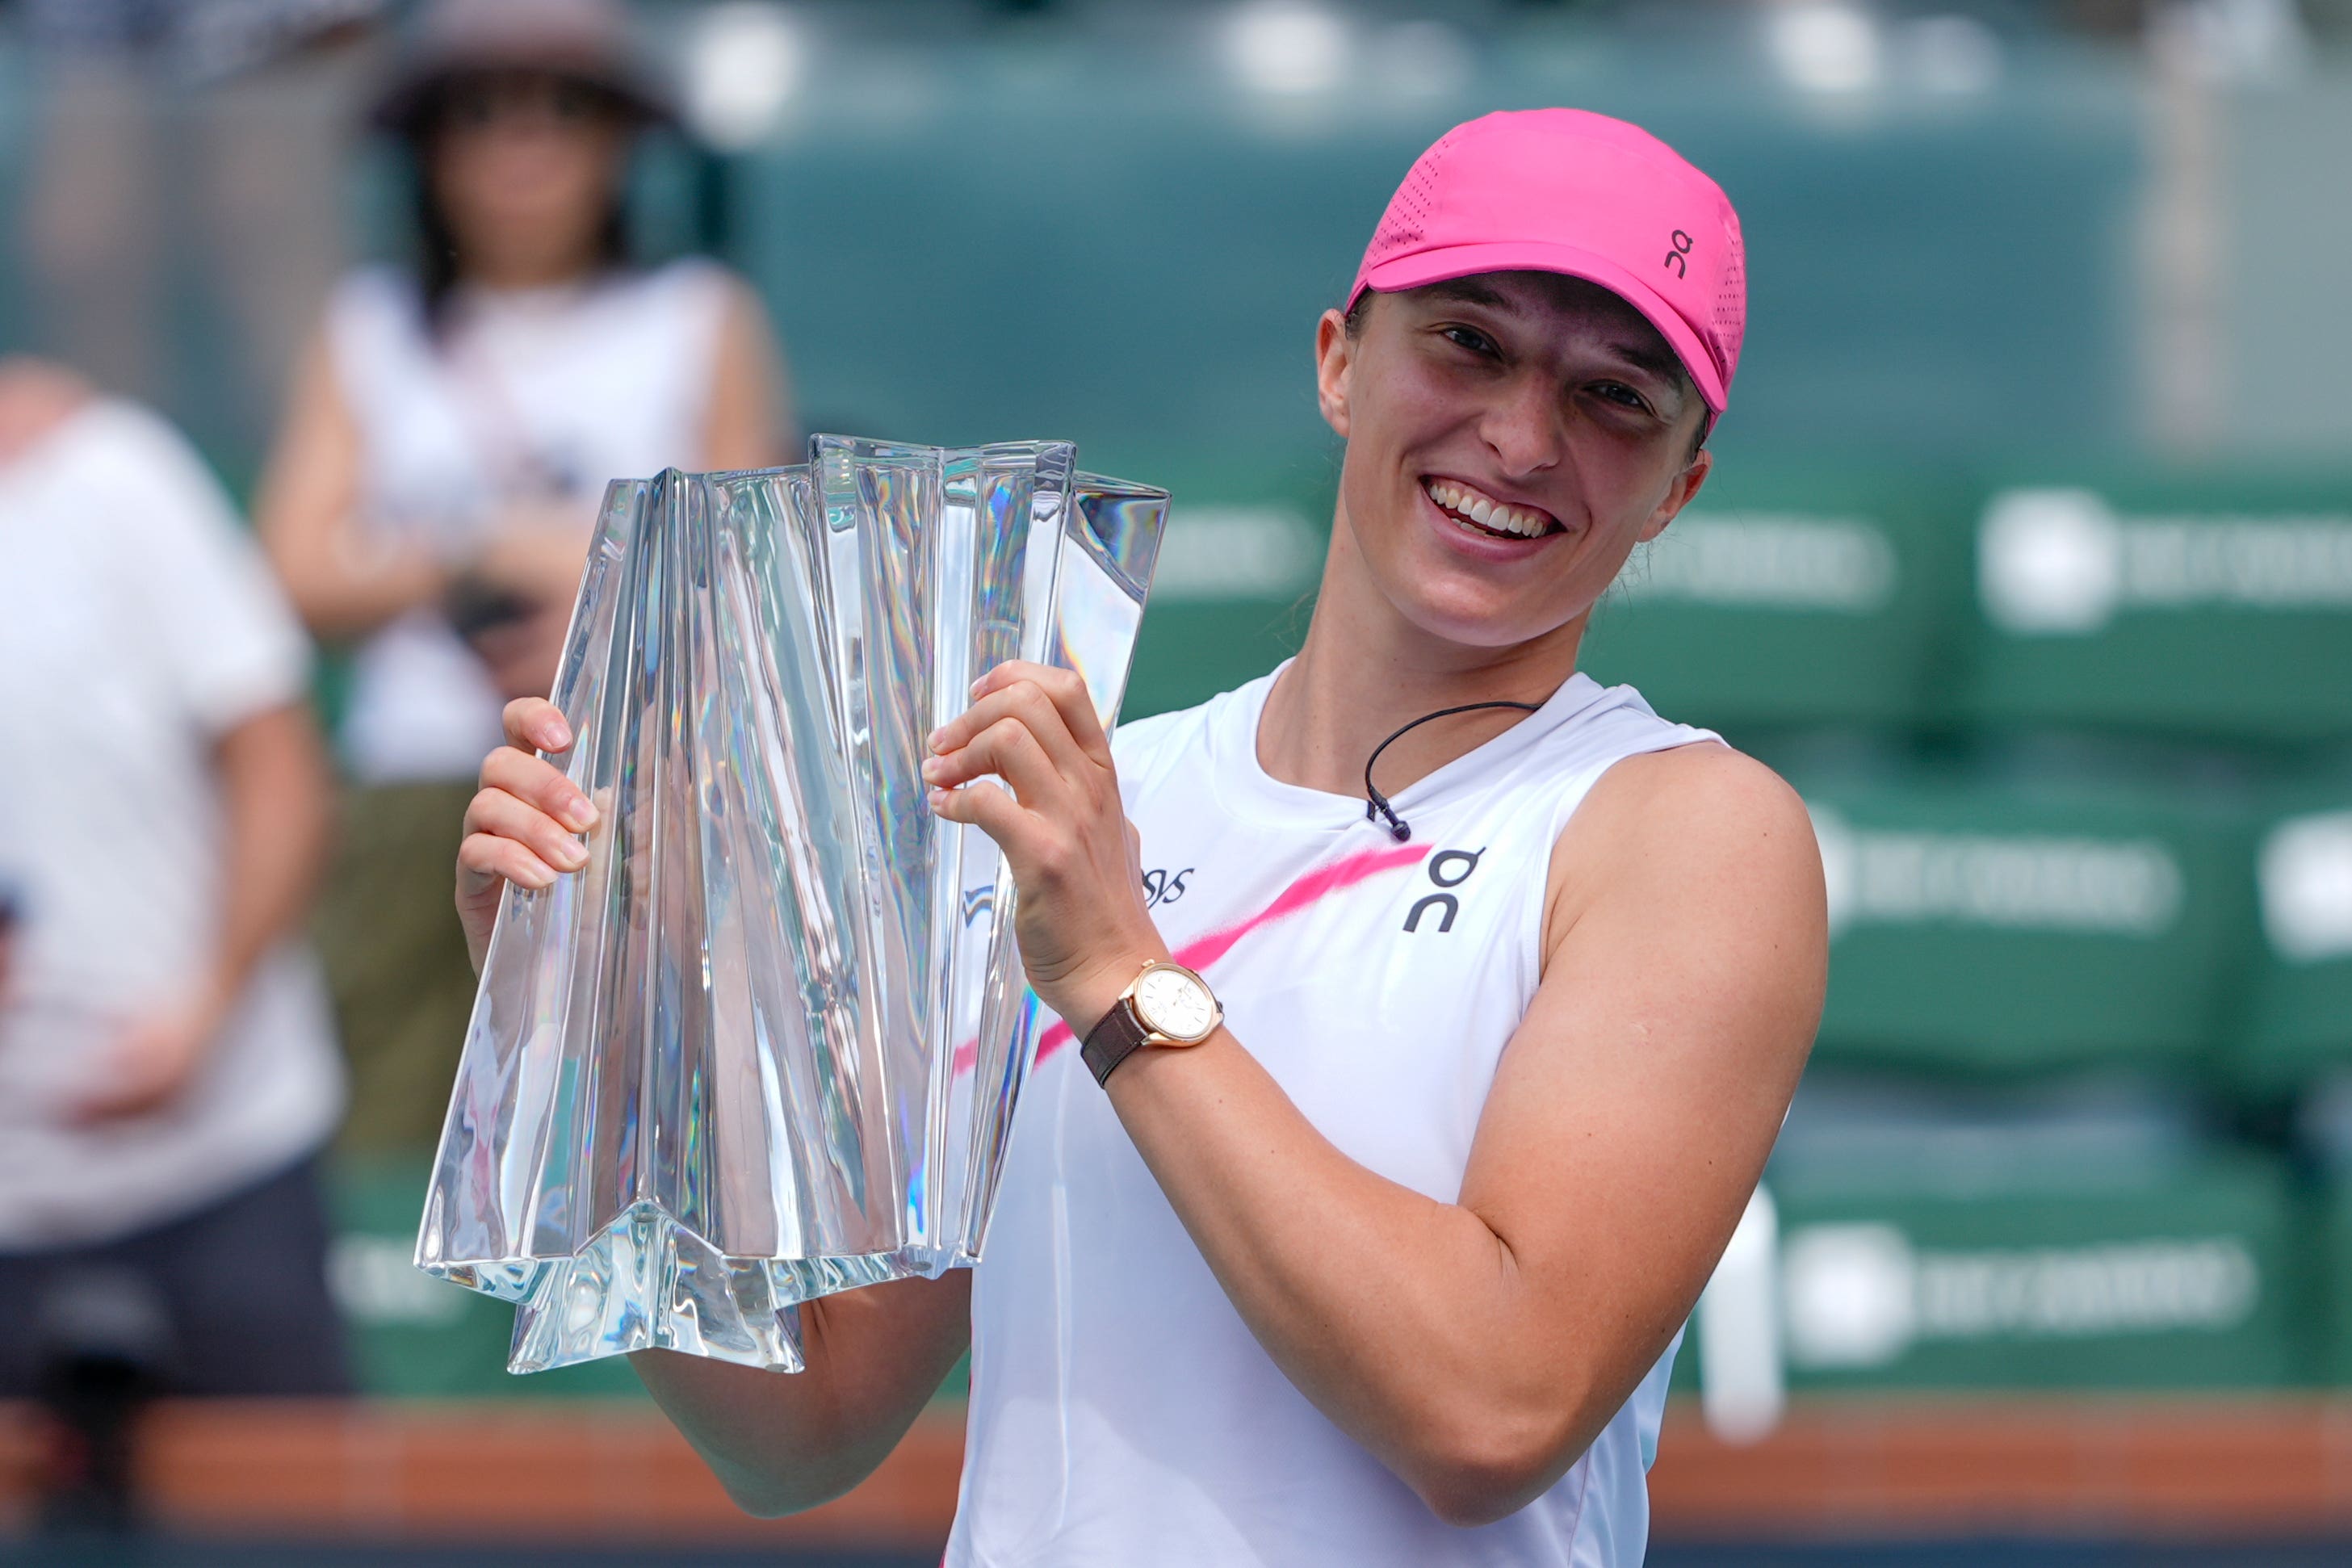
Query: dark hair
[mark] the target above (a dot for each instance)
(1352, 320)
(436, 242)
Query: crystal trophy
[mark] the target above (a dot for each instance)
(767, 1044)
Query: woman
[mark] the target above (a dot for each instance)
(1518, 977)
(446, 446)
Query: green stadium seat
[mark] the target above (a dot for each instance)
(1904, 1278)
(2217, 606)
(1798, 598)
(2069, 1233)
(1995, 928)
(2333, 1296)
(2298, 1022)
(2102, 1127)
(2327, 1139)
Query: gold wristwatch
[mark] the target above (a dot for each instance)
(1168, 1005)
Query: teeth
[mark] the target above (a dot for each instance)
(1485, 511)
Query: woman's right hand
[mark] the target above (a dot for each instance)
(522, 826)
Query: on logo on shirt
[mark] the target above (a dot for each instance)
(1447, 868)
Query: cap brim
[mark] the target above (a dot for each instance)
(401, 103)
(1442, 266)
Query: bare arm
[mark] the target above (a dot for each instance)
(343, 584)
(276, 815)
(1476, 1347)
(783, 1442)
(750, 425)
(778, 1442)
(279, 813)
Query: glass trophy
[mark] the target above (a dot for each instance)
(767, 1044)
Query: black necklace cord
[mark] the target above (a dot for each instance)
(1376, 804)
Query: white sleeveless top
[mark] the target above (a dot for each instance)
(531, 395)
(1122, 1415)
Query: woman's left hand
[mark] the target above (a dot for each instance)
(155, 1059)
(1083, 928)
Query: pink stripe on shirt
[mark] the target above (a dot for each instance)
(1316, 885)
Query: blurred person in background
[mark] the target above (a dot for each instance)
(450, 434)
(182, 214)
(168, 1075)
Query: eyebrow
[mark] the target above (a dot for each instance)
(1471, 291)
(1666, 367)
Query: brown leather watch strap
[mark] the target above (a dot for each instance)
(1113, 1040)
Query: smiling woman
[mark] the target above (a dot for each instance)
(1402, 1129)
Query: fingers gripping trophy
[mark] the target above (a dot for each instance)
(766, 1043)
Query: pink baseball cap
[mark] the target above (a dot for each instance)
(1561, 190)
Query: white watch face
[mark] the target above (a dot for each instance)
(1173, 1003)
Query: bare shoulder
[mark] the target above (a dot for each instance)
(1695, 829)
(750, 413)
(744, 310)
(1691, 801)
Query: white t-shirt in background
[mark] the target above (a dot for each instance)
(527, 394)
(138, 624)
